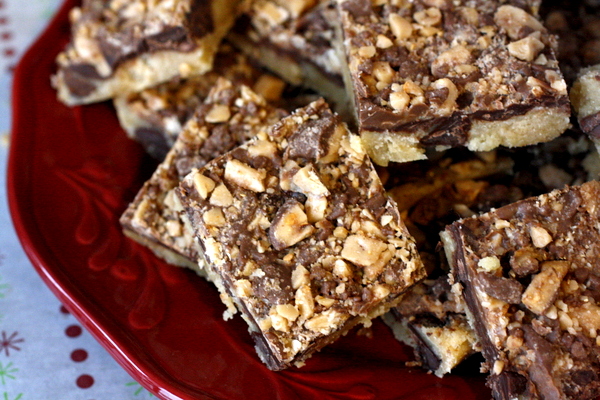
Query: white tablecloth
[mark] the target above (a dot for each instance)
(44, 352)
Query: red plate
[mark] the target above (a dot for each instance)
(71, 173)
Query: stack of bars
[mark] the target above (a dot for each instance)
(325, 163)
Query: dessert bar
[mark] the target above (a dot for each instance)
(298, 232)
(436, 192)
(294, 40)
(155, 116)
(431, 319)
(229, 116)
(528, 275)
(441, 74)
(122, 47)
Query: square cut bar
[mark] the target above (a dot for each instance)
(294, 40)
(298, 232)
(436, 192)
(121, 47)
(530, 278)
(430, 318)
(229, 116)
(155, 116)
(425, 74)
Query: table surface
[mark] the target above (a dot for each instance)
(44, 351)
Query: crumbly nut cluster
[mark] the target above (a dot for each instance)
(297, 225)
(229, 116)
(537, 309)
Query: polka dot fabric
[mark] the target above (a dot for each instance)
(45, 353)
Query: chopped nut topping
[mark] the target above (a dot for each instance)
(289, 226)
(318, 323)
(367, 51)
(450, 102)
(221, 196)
(218, 113)
(539, 236)
(455, 56)
(271, 13)
(307, 182)
(300, 277)
(429, 17)
(342, 269)
(383, 42)
(262, 148)
(514, 19)
(325, 301)
(489, 264)
(367, 252)
(203, 185)
(498, 367)
(279, 323)
(245, 176)
(399, 100)
(400, 26)
(383, 72)
(542, 291)
(305, 302)
(526, 49)
(214, 217)
(243, 288)
(287, 311)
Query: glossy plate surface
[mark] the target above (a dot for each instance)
(71, 173)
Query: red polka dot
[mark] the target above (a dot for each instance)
(85, 381)
(3, 20)
(79, 355)
(5, 35)
(73, 331)
(9, 52)
(64, 310)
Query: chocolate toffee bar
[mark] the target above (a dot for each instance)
(424, 74)
(457, 183)
(229, 116)
(431, 319)
(124, 47)
(155, 116)
(528, 275)
(298, 232)
(294, 40)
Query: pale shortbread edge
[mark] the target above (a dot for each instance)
(536, 126)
